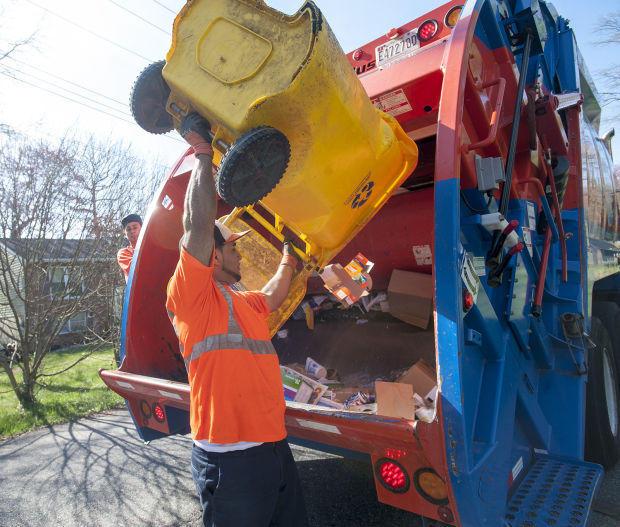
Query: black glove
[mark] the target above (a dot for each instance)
(196, 130)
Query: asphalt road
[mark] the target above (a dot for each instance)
(97, 473)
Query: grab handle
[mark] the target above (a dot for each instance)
(494, 123)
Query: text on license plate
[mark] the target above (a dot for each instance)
(398, 48)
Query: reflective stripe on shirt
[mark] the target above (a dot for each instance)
(233, 339)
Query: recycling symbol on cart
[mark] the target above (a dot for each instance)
(362, 196)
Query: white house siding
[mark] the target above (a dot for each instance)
(7, 317)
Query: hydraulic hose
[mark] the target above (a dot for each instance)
(516, 119)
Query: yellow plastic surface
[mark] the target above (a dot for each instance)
(259, 263)
(242, 65)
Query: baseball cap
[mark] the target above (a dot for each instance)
(222, 234)
(131, 218)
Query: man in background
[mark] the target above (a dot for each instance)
(132, 223)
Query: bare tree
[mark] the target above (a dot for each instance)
(11, 47)
(609, 30)
(59, 210)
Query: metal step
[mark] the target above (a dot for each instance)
(555, 492)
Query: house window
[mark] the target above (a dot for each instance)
(58, 280)
(76, 324)
(66, 282)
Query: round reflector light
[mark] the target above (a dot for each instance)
(452, 17)
(468, 300)
(392, 475)
(145, 408)
(428, 30)
(430, 486)
(158, 413)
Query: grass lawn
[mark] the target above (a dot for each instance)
(68, 396)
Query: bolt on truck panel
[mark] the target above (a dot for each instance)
(512, 210)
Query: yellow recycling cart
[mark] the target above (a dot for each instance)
(300, 147)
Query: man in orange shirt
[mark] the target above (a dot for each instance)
(132, 224)
(242, 465)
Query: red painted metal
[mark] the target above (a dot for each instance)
(573, 197)
(558, 215)
(413, 213)
(542, 272)
(544, 260)
(494, 122)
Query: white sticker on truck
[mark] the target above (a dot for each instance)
(531, 216)
(480, 265)
(319, 426)
(423, 255)
(470, 276)
(527, 239)
(516, 470)
(170, 395)
(395, 103)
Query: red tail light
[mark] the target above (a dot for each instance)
(428, 30)
(392, 475)
(158, 413)
(468, 300)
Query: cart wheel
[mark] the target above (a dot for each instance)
(253, 166)
(148, 99)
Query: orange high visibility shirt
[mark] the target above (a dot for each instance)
(234, 376)
(124, 257)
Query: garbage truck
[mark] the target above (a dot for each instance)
(479, 374)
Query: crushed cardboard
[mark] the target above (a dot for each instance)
(395, 400)
(422, 377)
(410, 297)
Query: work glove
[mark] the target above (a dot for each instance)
(289, 257)
(196, 130)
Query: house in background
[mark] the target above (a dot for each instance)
(60, 280)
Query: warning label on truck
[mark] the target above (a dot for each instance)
(527, 239)
(531, 216)
(423, 255)
(394, 103)
(470, 277)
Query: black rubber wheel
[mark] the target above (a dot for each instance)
(609, 314)
(148, 99)
(253, 166)
(602, 400)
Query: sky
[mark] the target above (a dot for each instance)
(77, 74)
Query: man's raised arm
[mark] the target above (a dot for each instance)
(200, 198)
(276, 290)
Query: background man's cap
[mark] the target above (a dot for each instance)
(223, 234)
(131, 218)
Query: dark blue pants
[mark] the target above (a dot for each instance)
(257, 487)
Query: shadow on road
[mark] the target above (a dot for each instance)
(97, 473)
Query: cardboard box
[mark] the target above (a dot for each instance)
(410, 296)
(299, 388)
(395, 400)
(343, 286)
(422, 377)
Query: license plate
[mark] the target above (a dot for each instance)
(397, 49)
